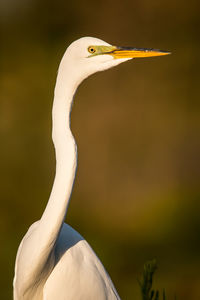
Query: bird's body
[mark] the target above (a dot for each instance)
(53, 260)
(75, 268)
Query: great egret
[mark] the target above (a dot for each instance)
(53, 260)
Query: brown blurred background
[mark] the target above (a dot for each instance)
(136, 194)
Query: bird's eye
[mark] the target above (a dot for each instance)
(91, 49)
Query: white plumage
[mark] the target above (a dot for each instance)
(54, 262)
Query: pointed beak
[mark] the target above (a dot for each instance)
(128, 52)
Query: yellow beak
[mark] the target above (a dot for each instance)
(127, 52)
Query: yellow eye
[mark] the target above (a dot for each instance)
(91, 49)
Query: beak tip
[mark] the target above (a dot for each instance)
(165, 52)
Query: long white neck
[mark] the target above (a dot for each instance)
(66, 154)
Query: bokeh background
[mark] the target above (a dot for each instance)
(136, 194)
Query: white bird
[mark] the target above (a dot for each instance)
(53, 260)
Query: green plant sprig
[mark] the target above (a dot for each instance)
(146, 282)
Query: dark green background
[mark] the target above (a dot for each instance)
(136, 194)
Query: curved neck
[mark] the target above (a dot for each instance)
(66, 156)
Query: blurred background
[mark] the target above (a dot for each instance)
(136, 194)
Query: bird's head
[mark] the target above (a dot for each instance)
(88, 55)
